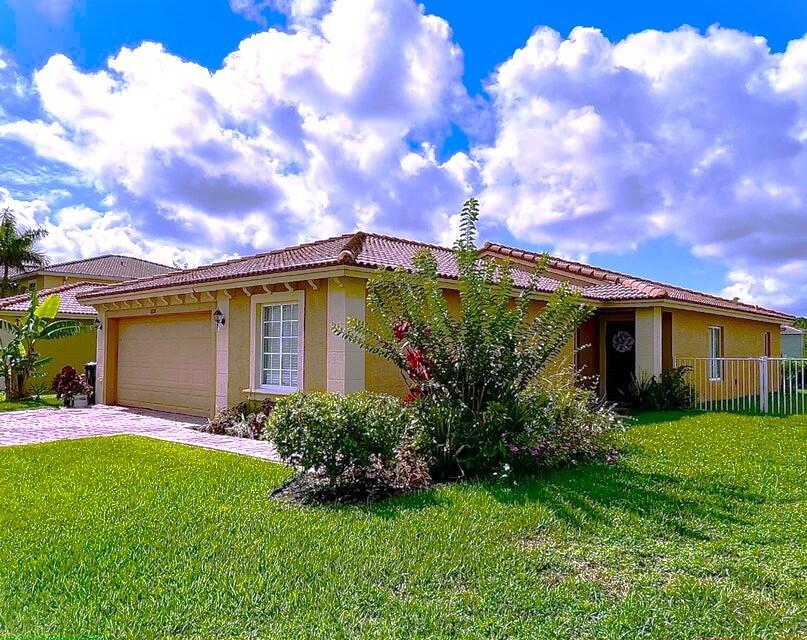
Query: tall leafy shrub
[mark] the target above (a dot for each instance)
(465, 371)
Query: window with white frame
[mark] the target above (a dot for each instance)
(715, 353)
(279, 365)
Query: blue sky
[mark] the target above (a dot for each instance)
(643, 186)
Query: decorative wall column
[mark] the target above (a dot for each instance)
(345, 364)
(222, 351)
(648, 342)
(100, 357)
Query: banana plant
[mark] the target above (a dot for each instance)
(20, 359)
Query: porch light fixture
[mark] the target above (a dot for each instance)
(218, 316)
(98, 324)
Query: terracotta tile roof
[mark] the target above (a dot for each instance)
(107, 266)
(619, 286)
(67, 298)
(375, 250)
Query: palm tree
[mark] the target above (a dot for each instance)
(17, 248)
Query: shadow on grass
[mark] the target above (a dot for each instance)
(589, 497)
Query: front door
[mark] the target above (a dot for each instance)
(620, 358)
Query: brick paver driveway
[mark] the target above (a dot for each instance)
(45, 425)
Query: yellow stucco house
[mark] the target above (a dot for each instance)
(69, 279)
(201, 339)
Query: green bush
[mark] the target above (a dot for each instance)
(466, 370)
(670, 392)
(356, 444)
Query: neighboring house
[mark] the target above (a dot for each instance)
(75, 350)
(201, 339)
(106, 269)
(792, 342)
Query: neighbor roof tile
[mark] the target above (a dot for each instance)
(67, 298)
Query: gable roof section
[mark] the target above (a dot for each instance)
(67, 299)
(107, 266)
(372, 250)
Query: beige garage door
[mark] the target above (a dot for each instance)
(166, 363)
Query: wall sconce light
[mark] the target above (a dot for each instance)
(218, 316)
(98, 324)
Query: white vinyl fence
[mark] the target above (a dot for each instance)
(764, 385)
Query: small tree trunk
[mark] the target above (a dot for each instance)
(21, 376)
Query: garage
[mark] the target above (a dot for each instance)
(166, 363)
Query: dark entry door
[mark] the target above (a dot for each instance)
(620, 357)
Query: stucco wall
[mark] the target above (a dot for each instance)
(238, 347)
(741, 338)
(74, 351)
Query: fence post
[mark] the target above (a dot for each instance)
(763, 384)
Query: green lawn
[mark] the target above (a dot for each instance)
(700, 531)
(14, 405)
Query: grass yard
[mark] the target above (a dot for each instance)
(700, 531)
(44, 401)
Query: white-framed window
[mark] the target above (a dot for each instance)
(715, 353)
(277, 354)
(280, 345)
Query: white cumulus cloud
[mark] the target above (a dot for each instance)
(601, 146)
(338, 121)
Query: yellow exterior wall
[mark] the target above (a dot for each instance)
(238, 348)
(74, 351)
(315, 373)
(741, 339)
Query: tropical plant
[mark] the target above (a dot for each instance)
(671, 391)
(19, 359)
(69, 383)
(465, 369)
(17, 248)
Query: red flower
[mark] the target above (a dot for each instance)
(401, 328)
(418, 365)
(413, 394)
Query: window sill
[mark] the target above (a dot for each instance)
(269, 391)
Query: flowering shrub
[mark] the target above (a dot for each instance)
(561, 425)
(68, 383)
(466, 371)
(244, 420)
(351, 446)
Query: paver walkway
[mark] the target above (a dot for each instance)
(31, 426)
